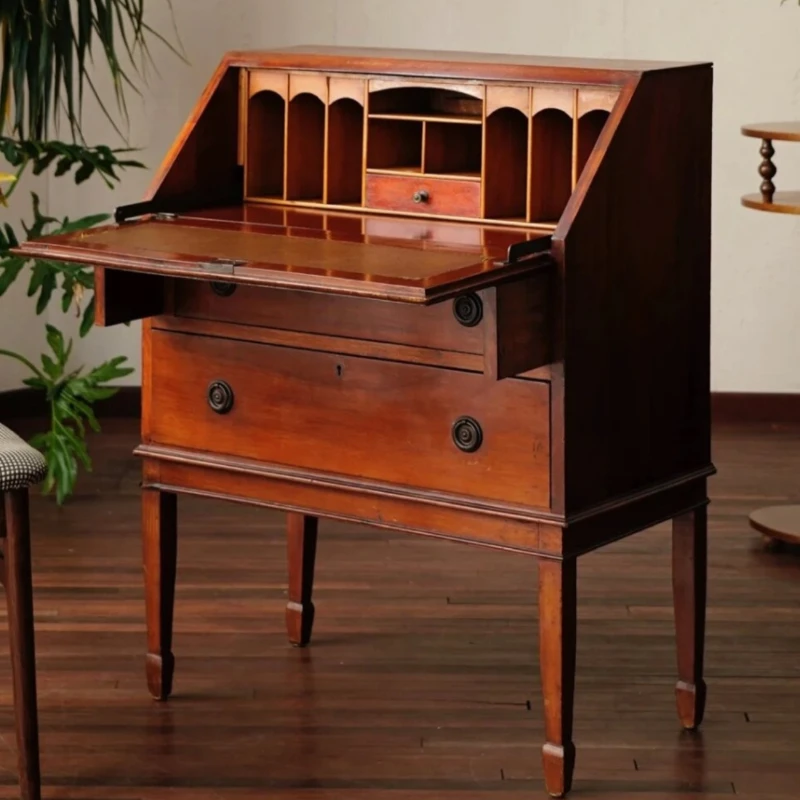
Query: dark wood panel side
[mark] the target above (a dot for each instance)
(637, 294)
(517, 327)
(127, 296)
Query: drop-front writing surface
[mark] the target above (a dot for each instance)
(460, 296)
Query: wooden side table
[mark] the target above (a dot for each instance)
(778, 524)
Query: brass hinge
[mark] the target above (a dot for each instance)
(220, 266)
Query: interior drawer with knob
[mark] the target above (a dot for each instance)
(422, 195)
(438, 430)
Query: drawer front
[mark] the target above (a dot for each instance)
(420, 195)
(351, 416)
(352, 317)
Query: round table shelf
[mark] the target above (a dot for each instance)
(778, 131)
(781, 523)
(782, 202)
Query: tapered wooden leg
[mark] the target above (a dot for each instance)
(160, 538)
(301, 534)
(689, 572)
(19, 596)
(557, 633)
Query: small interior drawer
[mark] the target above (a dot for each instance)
(422, 195)
(438, 430)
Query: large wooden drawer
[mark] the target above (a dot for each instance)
(433, 327)
(358, 417)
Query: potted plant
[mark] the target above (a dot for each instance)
(48, 59)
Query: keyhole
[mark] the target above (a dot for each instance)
(339, 370)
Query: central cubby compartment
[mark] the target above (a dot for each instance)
(394, 145)
(425, 130)
(453, 148)
(430, 102)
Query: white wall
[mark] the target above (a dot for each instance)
(753, 43)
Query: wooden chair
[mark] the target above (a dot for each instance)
(21, 466)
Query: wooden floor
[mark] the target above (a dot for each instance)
(422, 681)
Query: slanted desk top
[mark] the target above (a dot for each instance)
(459, 295)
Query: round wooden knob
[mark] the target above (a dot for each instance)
(220, 397)
(421, 196)
(468, 309)
(223, 289)
(467, 434)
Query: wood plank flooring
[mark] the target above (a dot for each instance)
(421, 682)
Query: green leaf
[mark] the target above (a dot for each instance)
(11, 268)
(84, 172)
(47, 46)
(87, 321)
(48, 287)
(55, 340)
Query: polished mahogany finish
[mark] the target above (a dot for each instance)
(461, 297)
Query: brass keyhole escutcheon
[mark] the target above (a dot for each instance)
(220, 397)
(467, 434)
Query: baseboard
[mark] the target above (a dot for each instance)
(727, 408)
(30, 404)
(731, 408)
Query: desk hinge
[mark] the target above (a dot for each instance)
(527, 249)
(220, 266)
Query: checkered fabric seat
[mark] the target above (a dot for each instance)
(20, 464)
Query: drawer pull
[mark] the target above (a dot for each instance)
(222, 289)
(467, 434)
(468, 310)
(220, 397)
(421, 196)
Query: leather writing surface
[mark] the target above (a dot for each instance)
(301, 252)
(304, 258)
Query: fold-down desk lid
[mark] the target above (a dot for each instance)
(301, 258)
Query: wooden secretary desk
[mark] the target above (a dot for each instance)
(459, 295)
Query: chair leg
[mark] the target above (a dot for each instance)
(19, 596)
(301, 539)
(160, 542)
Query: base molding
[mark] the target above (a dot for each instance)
(727, 408)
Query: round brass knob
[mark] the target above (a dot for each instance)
(421, 196)
(220, 397)
(467, 434)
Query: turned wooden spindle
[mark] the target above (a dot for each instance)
(767, 170)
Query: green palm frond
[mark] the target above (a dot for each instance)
(45, 46)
